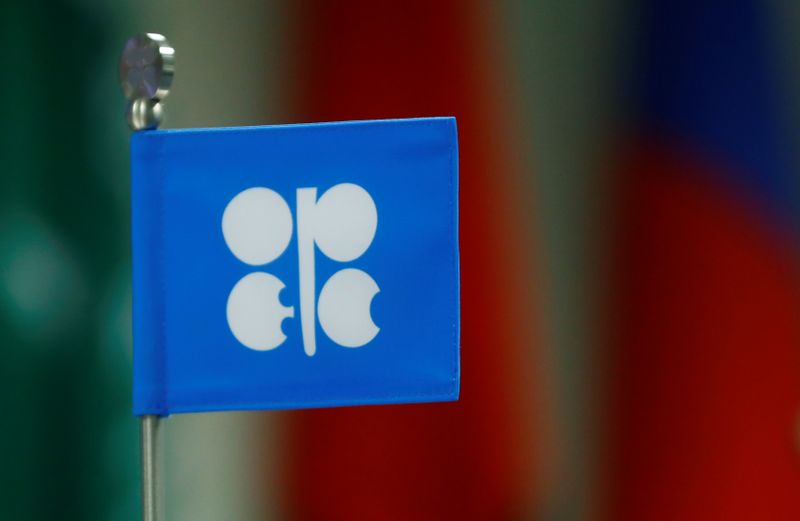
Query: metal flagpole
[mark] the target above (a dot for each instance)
(146, 68)
(148, 434)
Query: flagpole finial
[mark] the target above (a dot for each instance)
(146, 69)
(144, 114)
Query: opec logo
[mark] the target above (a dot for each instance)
(257, 225)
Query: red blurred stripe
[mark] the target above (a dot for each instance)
(706, 390)
(466, 460)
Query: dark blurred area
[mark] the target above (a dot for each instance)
(629, 238)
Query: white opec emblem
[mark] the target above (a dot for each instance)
(257, 226)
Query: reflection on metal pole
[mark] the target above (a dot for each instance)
(148, 438)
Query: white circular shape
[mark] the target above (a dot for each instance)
(345, 221)
(257, 226)
(344, 308)
(255, 312)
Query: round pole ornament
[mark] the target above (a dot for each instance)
(146, 67)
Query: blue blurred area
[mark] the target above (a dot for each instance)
(711, 80)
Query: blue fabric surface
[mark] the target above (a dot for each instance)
(186, 357)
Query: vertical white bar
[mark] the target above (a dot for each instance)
(306, 202)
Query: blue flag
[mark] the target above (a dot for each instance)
(295, 266)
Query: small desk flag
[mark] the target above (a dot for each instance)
(295, 266)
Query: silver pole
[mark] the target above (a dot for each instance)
(148, 440)
(146, 68)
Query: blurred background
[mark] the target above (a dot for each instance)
(629, 240)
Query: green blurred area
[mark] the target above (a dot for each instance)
(71, 443)
(68, 436)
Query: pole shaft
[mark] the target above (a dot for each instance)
(148, 431)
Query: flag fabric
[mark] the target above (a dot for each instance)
(295, 266)
(706, 391)
(466, 460)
